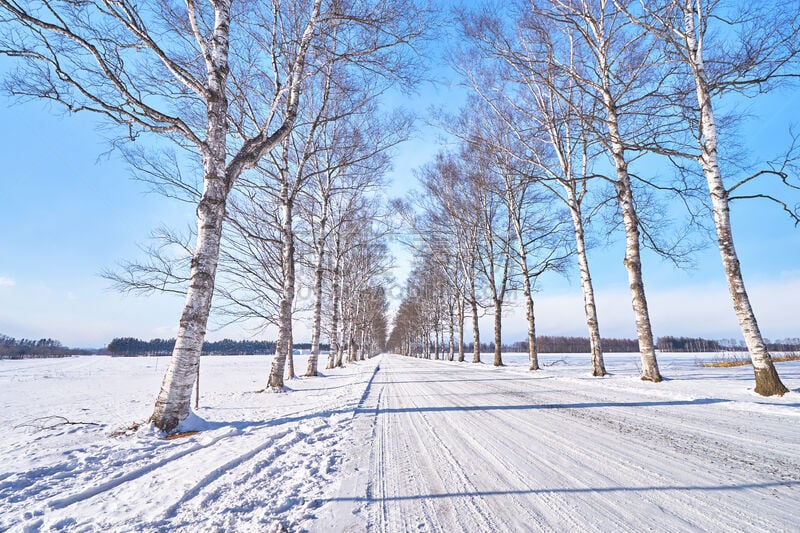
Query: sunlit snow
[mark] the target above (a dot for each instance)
(396, 444)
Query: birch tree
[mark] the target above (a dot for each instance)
(363, 269)
(355, 218)
(618, 59)
(762, 48)
(220, 78)
(432, 236)
(352, 157)
(445, 181)
(612, 62)
(494, 237)
(541, 108)
(533, 239)
(538, 233)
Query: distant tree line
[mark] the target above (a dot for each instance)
(561, 344)
(11, 348)
(689, 344)
(132, 347)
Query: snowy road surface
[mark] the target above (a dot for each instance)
(395, 444)
(455, 448)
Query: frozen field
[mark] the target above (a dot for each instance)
(394, 444)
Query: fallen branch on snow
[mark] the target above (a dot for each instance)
(50, 422)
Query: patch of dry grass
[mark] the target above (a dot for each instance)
(726, 360)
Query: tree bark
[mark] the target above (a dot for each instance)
(435, 344)
(282, 348)
(333, 349)
(768, 383)
(319, 276)
(633, 265)
(533, 354)
(451, 332)
(173, 403)
(498, 334)
(530, 317)
(630, 220)
(290, 356)
(316, 327)
(476, 332)
(589, 307)
(460, 305)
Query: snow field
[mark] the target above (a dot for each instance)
(259, 457)
(397, 444)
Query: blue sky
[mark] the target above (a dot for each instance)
(68, 212)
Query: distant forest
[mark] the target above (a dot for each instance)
(553, 344)
(11, 348)
(131, 347)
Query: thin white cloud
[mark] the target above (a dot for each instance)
(7, 282)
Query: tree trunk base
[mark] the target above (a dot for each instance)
(311, 374)
(534, 367)
(274, 389)
(768, 383)
(601, 372)
(655, 378)
(164, 423)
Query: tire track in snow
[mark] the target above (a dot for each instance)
(582, 457)
(405, 457)
(500, 449)
(269, 484)
(176, 488)
(664, 459)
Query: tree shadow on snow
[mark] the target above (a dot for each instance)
(457, 380)
(568, 490)
(533, 407)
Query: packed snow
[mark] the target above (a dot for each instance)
(398, 444)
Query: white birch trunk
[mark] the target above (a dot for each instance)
(351, 343)
(530, 317)
(282, 348)
(476, 332)
(319, 272)
(633, 265)
(498, 332)
(533, 353)
(290, 355)
(451, 331)
(173, 403)
(633, 262)
(342, 345)
(768, 382)
(333, 349)
(461, 320)
(589, 306)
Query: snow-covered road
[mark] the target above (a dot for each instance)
(466, 448)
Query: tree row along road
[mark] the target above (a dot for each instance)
(462, 447)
